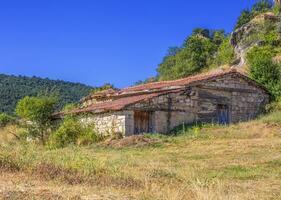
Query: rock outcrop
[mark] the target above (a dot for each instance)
(241, 38)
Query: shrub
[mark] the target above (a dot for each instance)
(244, 18)
(226, 54)
(88, 136)
(72, 131)
(274, 106)
(5, 119)
(66, 134)
(264, 70)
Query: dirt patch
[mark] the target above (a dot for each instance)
(132, 141)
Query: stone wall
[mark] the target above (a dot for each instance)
(245, 100)
(110, 123)
(200, 103)
(169, 110)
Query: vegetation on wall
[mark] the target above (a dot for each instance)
(106, 86)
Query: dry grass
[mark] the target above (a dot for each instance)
(6, 134)
(241, 161)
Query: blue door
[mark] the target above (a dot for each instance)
(223, 114)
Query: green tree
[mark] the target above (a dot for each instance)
(218, 37)
(165, 69)
(225, 54)
(202, 32)
(244, 18)
(36, 113)
(262, 6)
(196, 54)
(172, 51)
(264, 70)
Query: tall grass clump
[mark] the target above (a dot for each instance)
(5, 119)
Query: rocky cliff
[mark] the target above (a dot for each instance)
(252, 34)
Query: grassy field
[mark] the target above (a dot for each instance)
(241, 161)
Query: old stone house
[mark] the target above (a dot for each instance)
(220, 97)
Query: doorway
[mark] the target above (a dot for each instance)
(223, 114)
(142, 121)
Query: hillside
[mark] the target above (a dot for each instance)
(13, 88)
(212, 162)
(254, 47)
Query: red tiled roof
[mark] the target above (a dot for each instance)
(114, 105)
(178, 82)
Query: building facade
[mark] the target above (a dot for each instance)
(221, 97)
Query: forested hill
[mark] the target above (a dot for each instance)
(13, 88)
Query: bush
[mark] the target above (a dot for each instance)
(274, 106)
(67, 133)
(88, 136)
(264, 70)
(71, 131)
(226, 54)
(5, 119)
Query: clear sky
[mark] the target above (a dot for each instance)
(100, 41)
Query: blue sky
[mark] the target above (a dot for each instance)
(101, 41)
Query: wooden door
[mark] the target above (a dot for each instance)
(142, 122)
(223, 114)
